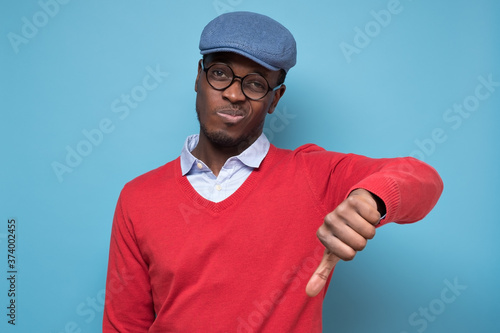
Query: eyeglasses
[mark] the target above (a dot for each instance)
(254, 86)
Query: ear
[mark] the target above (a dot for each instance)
(276, 98)
(198, 76)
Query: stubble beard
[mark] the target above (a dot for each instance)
(221, 139)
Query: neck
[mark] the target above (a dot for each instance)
(214, 156)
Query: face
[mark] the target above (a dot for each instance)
(228, 118)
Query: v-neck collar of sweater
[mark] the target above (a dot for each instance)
(240, 193)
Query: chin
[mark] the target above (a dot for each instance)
(224, 140)
(220, 138)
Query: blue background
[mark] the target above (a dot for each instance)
(386, 99)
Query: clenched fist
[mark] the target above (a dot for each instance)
(344, 232)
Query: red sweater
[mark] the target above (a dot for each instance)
(181, 263)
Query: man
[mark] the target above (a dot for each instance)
(237, 235)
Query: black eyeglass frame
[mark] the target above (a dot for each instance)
(205, 69)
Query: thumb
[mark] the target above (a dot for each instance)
(318, 280)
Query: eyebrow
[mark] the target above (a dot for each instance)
(256, 70)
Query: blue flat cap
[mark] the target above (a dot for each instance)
(255, 36)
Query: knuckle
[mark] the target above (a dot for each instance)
(352, 200)
(371, 233)
(331, 221)
(349, 255)
(329, 217)
(360, 244)
(342, 208)
(374, 216)
(321, 234)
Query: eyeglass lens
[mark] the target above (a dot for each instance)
(254, 86)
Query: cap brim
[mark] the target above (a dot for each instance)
(240, 52)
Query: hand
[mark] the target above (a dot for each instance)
(344, 232)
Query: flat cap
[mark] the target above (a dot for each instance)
(255, 36)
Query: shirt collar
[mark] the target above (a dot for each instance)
(251, 157)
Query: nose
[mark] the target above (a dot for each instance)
(234, 93)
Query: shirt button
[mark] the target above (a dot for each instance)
(199, 165)
(218, 187)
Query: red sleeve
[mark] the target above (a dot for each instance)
(408, 187)
(129, 304)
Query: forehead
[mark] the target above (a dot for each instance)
(237, 62)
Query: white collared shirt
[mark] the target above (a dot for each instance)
(232, 175)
